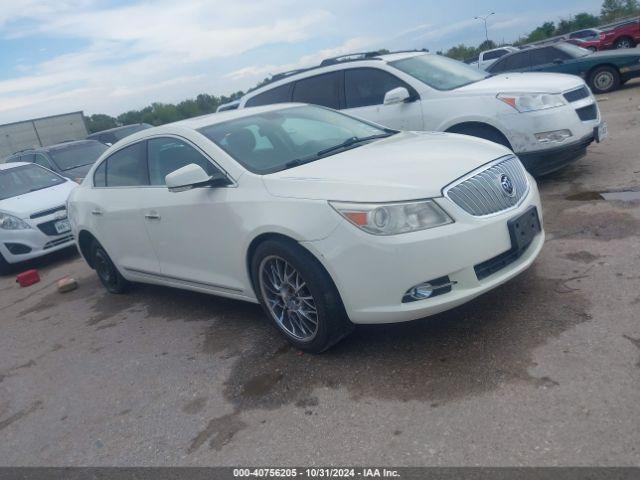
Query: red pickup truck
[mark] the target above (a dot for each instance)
(625, 35)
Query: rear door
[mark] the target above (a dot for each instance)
(324, 90)
(364, 91)
(516, 62)
(120, 184)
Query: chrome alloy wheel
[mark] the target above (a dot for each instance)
(604, 80)
(288, 298)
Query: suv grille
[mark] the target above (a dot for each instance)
(575, 95)
(483, 193)
(590, 112)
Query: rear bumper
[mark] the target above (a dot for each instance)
(547, 161)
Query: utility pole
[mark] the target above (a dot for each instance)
(484, 19)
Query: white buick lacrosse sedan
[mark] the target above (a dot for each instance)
(324, 219)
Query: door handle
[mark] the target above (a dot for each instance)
(152, 216)
(96, 211)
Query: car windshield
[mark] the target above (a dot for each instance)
(271, 141)
(26, 178)
(573, 50)
(439, 72)
(76, 155)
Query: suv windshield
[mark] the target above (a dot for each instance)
(24, 179)
(76, 155)
(439, 72)
(276, 140)
(573, 50)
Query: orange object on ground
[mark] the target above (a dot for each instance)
(28, 278)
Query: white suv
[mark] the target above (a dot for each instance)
(548, 120)
(324, 219)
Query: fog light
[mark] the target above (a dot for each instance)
(428, 289)
(557, 136)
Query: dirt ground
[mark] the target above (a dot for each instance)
(542, 371)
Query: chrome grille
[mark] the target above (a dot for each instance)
(481, 192)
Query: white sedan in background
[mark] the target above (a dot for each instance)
(324, 219)
(33, 213)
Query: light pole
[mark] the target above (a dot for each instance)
(484, 19)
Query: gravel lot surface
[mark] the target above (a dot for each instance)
(542, 371)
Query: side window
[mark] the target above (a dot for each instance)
(128, 167)
(40, 160)
(512, 62)
(546, 55)
(29, 157)
(167, 155)
(494, 54)
(100, 177)
(279, 94)
(319, 90)
(367, 86)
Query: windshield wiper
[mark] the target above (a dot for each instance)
(75, 166)
(346, 144)
(352, 141)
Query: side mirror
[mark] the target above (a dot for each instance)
(193, 176)
(397, 95)
(558, 61)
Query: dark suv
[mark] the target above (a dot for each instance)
(70, 159)
(111, 136)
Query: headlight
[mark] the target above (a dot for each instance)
(393, 218)
(529, 102)
(9, 222)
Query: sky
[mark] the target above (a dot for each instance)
(110, 56)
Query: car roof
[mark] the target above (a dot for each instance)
(63, 145)
(214, 118)
(7, 166)
(115, 129)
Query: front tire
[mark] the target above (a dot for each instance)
(482, 131)
(5, 267)
(298, 295)
(604, 79)
(107, 272)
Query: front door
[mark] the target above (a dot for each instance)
(193, 232)
(365, 89)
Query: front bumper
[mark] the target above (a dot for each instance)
(372, 273)
(33, 239)
(550, 160)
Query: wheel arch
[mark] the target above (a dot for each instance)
(460, 127)
(263, 237)
(85, 240)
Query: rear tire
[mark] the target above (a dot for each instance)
(604, 79)
(625, 42)
(481, 131)
(298, 295)
(107, 272)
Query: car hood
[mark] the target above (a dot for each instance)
(406, 166)
(523, 83)
(24, 205)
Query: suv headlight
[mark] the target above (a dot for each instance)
(9, 222)
(393, 218)
(530, 102)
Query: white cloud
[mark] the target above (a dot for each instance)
(142, 52)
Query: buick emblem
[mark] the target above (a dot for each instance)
(507, 185)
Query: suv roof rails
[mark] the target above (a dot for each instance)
(348, 57)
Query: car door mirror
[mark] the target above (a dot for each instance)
(193, 176)
(558, 61)
(397, 95)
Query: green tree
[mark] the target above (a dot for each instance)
(612, 9)
(99, 121)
